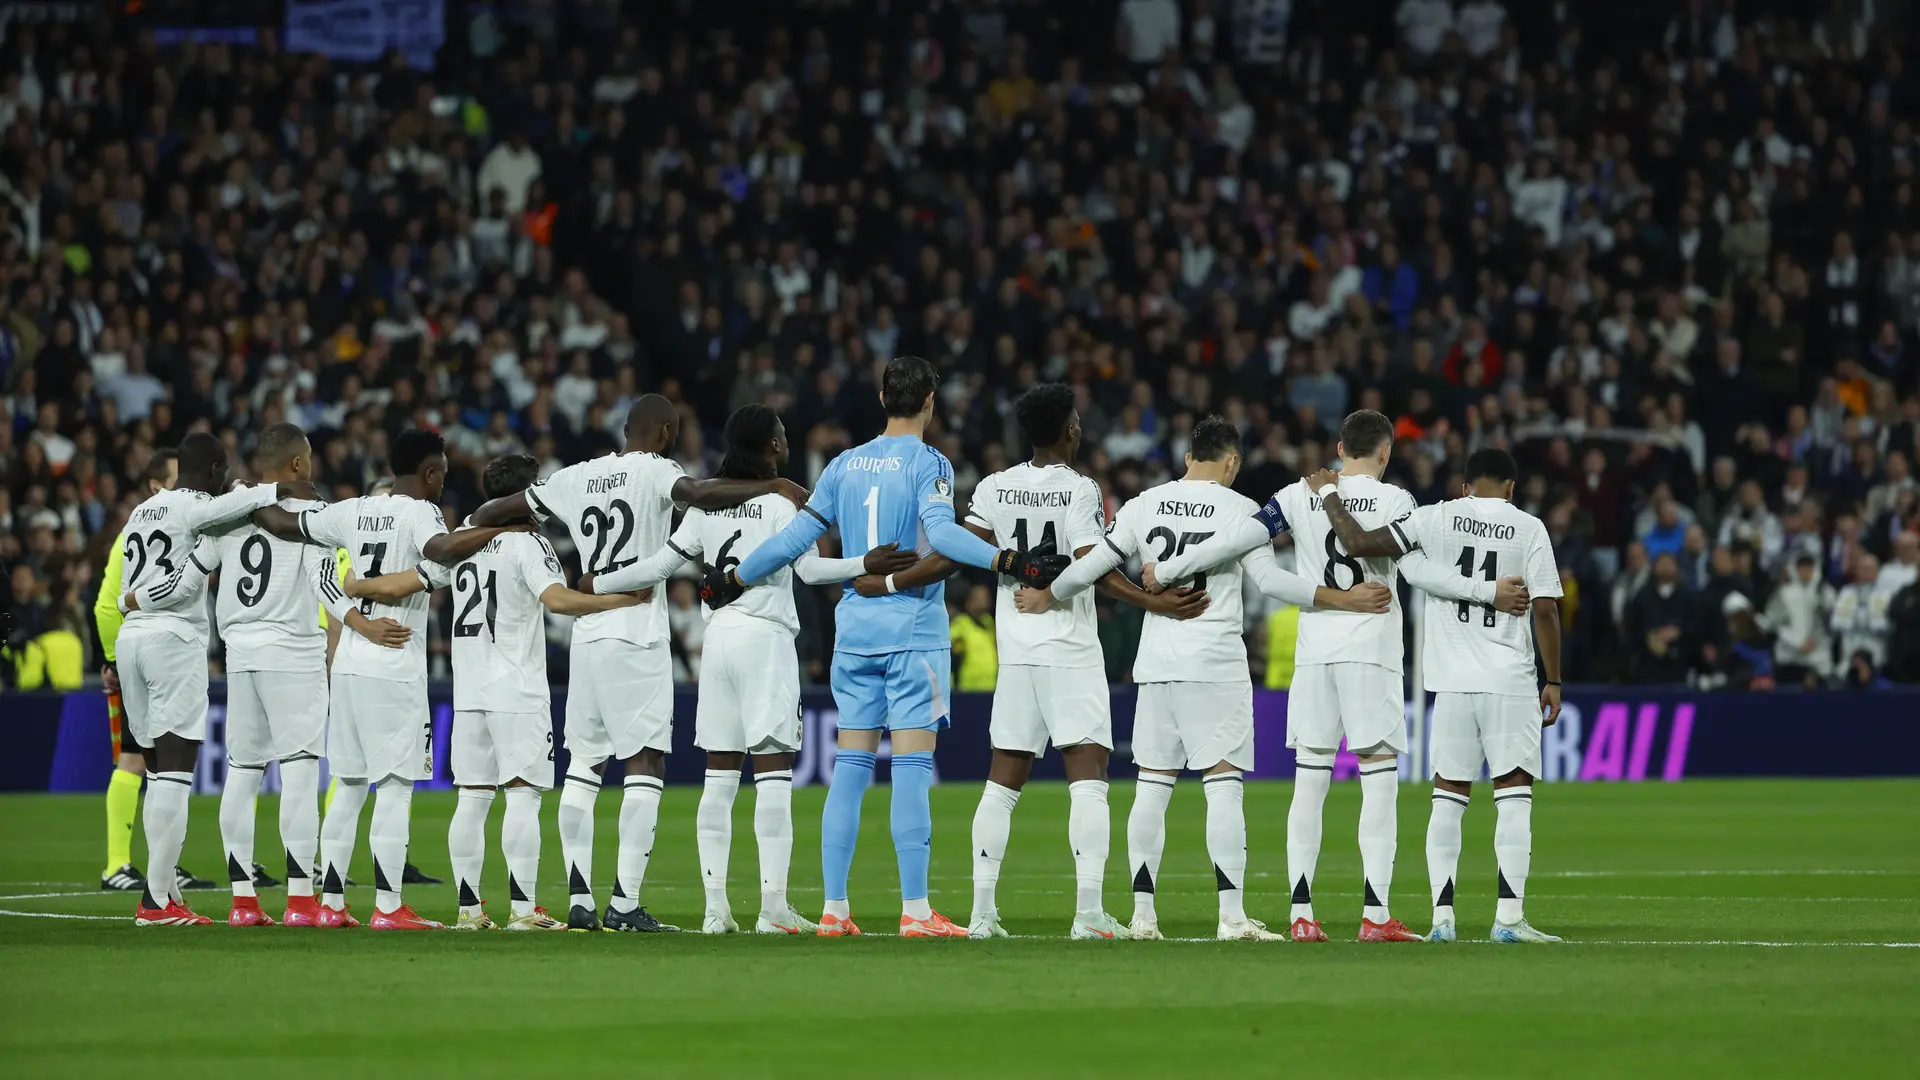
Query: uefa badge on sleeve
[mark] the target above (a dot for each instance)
(943, 489)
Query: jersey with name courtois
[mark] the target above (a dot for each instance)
(618, 509)
(1158, 524)
(887, 491)
(499, 625)
(1330, 637)
(1471, 648)
(1025, 507)
(160, 537)
(383, 534)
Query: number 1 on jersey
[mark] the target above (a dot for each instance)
(873, 517)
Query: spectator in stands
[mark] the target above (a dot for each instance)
(1798, 613)
(976, 654)
(1661, 623)
(1859, 620)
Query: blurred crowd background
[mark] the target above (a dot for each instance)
(1668, 253)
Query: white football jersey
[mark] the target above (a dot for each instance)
(1471, 648)
(724, 538)
(619, 509)
(1328, 637)
(383, 534)
(1156, 525)
(271, 594)
(500, 626)
(1031, 506)
(159, 539)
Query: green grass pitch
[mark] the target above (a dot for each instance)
(1664, 892)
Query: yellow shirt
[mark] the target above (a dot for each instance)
(978, 653)
(106, 604)
(1283, 630)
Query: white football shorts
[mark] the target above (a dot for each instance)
(379, 728)
(749, 690)
(1036, 705)
(619, 700)
(1501, 731)
(1193, 725)
(492, 748)
(163, 684)
(275, 715)
(1362, 703)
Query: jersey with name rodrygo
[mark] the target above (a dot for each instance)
(271, 593)
(1330, 637)
(500, 627)
(886, 492)
(618, 509)
(1030, 506)
(1472, 648)
(383, 534)
(722, 538)
(159, 539)
(1156, 525)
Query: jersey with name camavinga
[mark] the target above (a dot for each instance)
(722, 538)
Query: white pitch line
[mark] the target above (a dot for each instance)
(1724, 873)
(54, 915)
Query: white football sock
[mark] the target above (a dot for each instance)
(576, 835)
(387, 840)
(838, 909)
(992, 823)
(1147, 838)
(164, 818)
(1312, 776)
(300, 821)
(773, 832)
(338, 834)
(713, 831)
(639, 819)
(1443, 850)
(520, 843)
(1513, 848)
(236, 823)
(467, 845)
(1379, 835)
(1089, 833)
(1227, 841)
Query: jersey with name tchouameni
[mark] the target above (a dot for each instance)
(271, 592)
(1334, 637)
(887, 491)
(1034, 506)
(1158, 524)
(499, 625)
(722, 538)
(383, 534)
(161, 535)
(1472, 648)
(618, 509)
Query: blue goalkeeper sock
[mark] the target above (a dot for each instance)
(913, 824)
(840, 820)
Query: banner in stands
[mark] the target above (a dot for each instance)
(361, 31)
(59, 742)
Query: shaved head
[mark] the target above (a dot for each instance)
(653, 424)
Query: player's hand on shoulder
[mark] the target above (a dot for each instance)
(1148, 581)
(1182, 604)
(718, 587)
(1032, 601)
(888, 559)
(1510, 595)
(1369, 597)
(791, 491)
(1321, 478)
(387, 633)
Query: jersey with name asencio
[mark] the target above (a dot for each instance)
(1025, 507)
(723, 538)
(887, 491)
(499, 625)
(270, 591)
(1470, 648)
(1154, 526)
(1332, 637)
(159, 539)
(618, 509)
(383, 534)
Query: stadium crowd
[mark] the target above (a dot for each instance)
(1667, 253)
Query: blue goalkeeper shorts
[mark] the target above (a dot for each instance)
(900, 691)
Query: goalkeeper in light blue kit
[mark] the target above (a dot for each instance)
(890, 658)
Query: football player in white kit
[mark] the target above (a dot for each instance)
(750, 671)
(618, 509)
(502, 736)
(1479, 663)
(381, 732)
(269, 607)
(1195, 705)
(1346, 682)
(162, 653)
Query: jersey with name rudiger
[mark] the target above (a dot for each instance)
(1030, 506)
(383, 534)
(1158, 524)
(1328, 637)
(618, 509)
(499, 625)
(1471, 648)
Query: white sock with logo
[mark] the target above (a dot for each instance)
(520, 843)
(992, 824)
(713, 833)
(1443, 850)
(1227, 841)
(237, 823)
(773, 832)
(387, 840)
(467, 846)
(1090, 835)
(576, 835)
(300, 821)
(1147, 838)
(338, 834)
(1379, 835)
(1312, 777)
(164, 817)
(639, 821)
(1513, 848)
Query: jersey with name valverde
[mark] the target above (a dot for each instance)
(619, 509)
(1156, 525)
(383, 534)
(499, 625)
(1471, 648)
(1027, 507)
(1331, 637)
(887, 491)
